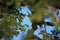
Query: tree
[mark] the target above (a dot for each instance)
(39, 8)
(9, 13)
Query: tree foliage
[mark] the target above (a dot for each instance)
(9, 14)
(39, 8)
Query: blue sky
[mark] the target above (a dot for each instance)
(25, 10)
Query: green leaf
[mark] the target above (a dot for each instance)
(10, 2)
(1, 0)
(23, 29)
